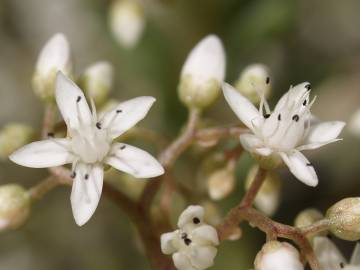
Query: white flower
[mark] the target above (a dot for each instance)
(55, 56)
(193, 245)
(285, 131)
(330, 258)
(127, 22)
(90, 145)
(202, 73)
(276, 255)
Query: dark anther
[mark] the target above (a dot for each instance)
(73, 175)
(118, 111)
(342, 265)
(267, 80)
(187, 241)
(304, 103)
(51, 134)
(183, 236)
(98, 125)
(122, 147)
(196, 220)
(78, 99)
(279, 117)
(86, 176)
(308, 87)
(309, 164)
(266, 116)
(295, 118)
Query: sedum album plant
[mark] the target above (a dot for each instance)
(94, 142)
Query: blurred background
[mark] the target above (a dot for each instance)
(315, 41)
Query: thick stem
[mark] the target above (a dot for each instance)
(250, 195)
(317, 227)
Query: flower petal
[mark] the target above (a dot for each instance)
(126, 115)
(86, 192)
(167, 242)
(134, 161)
(202, 257)
(205, 235)
(241, 106)
(324, 132)
(193, 214)
(264, 151)
(182, 262)
(72, 103)
(355, 257)
(327, 253)
(250, 142)
(300, 167)
(316, 145)
(43, 154)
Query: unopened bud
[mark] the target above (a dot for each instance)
(344, 218)
(268, 198)
(13, 136)
(276, 255)
(97, 81)
(14, 206)
(253, 82)
(308, 217)
(127, 22)
(203, 73)
(354, 125)
(55, 56)
(221, 182)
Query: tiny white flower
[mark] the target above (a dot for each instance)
(276, 255)
(330, 257)
(90, 145)
(127, 22)
(285, 131)
(193, 245)
(202, 73)
(55, 56)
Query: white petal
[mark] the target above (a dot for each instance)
(241, 106)
(205, 235)
(327, 253)
(300, 167)
(263, 151)
(316, 145)
(86, 192)
(126, 115)
(206, 61)
(182, 262)
(43, 154)
(72, 103)
(191, 214)
(134, 161)
(167, 242)
(324, 132)
(355, 258)
(250, 142)
(202, 257)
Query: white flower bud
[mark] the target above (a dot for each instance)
(97, 81)
(203, 73)
(308, 217)
(253, 82)
(127, 22)
(13, 136)
(354, 125)
(14, 206)
(222, 182)
(268, 198)
(344, 217)
(55, 56)
(276, 255)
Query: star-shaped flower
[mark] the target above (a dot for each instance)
(193, 245)
(285, 131)
(89, 146)
(330, 258)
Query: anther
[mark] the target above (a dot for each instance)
(98, 125)
(304, 103)
(73, 174)
(183, 236)
(266, 116)
(308, 87)
(196, 220)
(78, 99)
(51, 134)
(342, 265)
(267, 80)
(309, 164)
(296, 118)
(187, 241)
(86, 176)
(122, 147)
(118, 111)
(279, 117)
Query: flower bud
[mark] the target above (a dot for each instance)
(344, 218)
(203, 73)
(276, 255)
(127, 22)
(14, 136)
(55, 56)
(221, 182)
(253, 82)
(354, 125)
(97, 81)
(14, 206)
(268, 198)
(308, 217)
